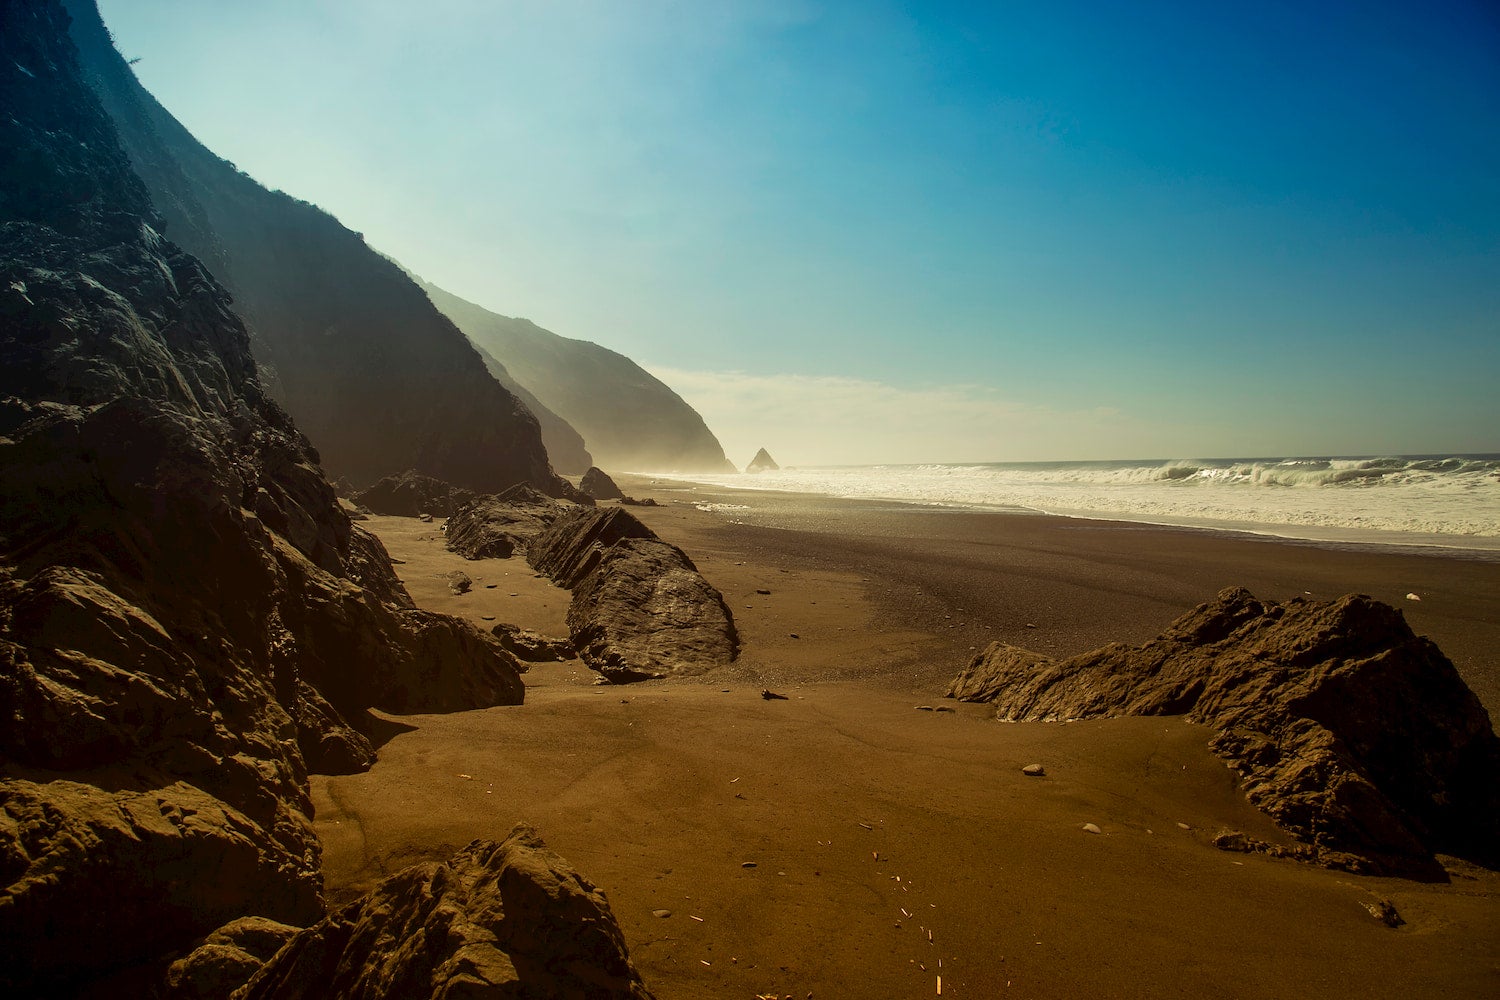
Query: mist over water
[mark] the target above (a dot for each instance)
(1433, 500)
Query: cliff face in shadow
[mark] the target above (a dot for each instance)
(565, 446)
(370, 370)
(188, 621)
(629, 419)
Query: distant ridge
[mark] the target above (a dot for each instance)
(629, 419)
(371, 371)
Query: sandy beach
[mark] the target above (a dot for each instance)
(846, 842)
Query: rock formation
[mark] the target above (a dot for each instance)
(188, 621)
(532, 647)
(497, 527)
(597, 484)
(640, 607)
(1354, 734)
(762, 462)
(351, 347)
(510, 920)
(629, 418)
(412, 494)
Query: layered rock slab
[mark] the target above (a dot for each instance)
(1353, 733)
(505, 920)
(411, 494)
(640, 607)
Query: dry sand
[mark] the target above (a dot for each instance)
(870, 823)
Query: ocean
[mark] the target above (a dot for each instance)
(1425, 500)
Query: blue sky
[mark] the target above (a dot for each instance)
(866, 231)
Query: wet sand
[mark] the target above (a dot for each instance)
(870, 822)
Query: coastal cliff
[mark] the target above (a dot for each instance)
(629, 419)
(354, 351)
(190, 622)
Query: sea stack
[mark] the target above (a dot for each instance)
(762, 462)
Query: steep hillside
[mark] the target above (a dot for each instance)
(356, 353)
(188, 621)
(565, 446)
(628, 418)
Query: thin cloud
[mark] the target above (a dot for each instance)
(833, 420)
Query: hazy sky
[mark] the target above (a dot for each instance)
(866, 231)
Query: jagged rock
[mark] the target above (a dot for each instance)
(412, 494)
(226, 959)
(762, 462)
(506, 921)
(495, 527)
(991, 670)
(188, 620)
(530, 646)
(1354, 734)
(459, 583)
(597, 484)
(642, 502)
(640, 607)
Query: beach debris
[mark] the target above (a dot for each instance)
(1412, 597)
(747, 864)
(692, 917)
(1091, 828)
(1385, 912)
(1034, 771)
(867, 826)
(467, 777)
(794, 635)
(1183, 826)
(924, 708)
(1030, 625)
(945, 708)
(661, 914)
(765, 592)
(770, 695)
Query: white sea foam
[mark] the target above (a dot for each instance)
(1429, 500)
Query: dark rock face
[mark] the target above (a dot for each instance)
(496, 527)
(762, 462)
(188, 621)
(1354, 734)
(351, 347)
(597, 484)
(507, 921)
(640, 607)
(412, 494)
(628, 417)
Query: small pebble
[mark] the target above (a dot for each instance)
(661, 913)
(747, 864)
(1091, 828)
(1033, 770)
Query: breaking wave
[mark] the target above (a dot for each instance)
(1449, 499)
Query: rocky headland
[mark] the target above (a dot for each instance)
(629, 418)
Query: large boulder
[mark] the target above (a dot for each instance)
(640, 607)
(597, 484)
(411, 494)
(1353, 733)
(505, 920)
